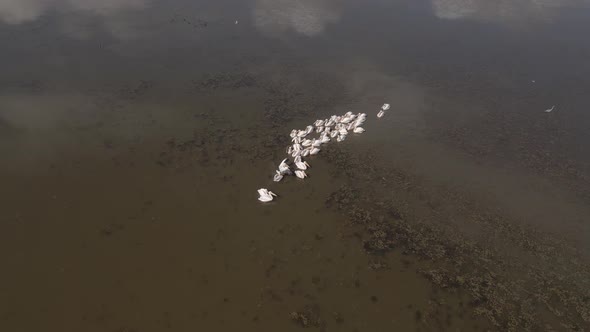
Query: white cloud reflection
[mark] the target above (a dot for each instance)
(22, 11)
(306, 17)
(500, 11)
(109, 13)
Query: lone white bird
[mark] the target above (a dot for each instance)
(266, 195)
(385, 107)
(549, 110)
(359, 130)
(380, 114)
(300, 174)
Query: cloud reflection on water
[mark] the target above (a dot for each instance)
(306, 17)
(500, 11)
(15, 12)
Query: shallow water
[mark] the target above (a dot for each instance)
(135, 133)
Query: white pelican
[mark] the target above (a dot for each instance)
(319, 123)
(302, 165)
(314, 151)
(293, 133)
(385, 107)
(289, 149)
(305, 152)
(334, 133)
(380, 114)
(284, 167)
(343, 131)
(308, 130)
(306, 142)
(296, 140)
(340, 138)
(325, 139)
(301, 133)
(278, 177)
(319, 129)
(296, 147)
(549, 110)
(296, 153)
(359, 130)
(300, 174)
(265, 195)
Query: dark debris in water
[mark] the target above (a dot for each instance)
(512, 295)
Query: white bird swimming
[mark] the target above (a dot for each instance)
(305, 152)
(549, 110)
(340, 138)
(302, 133)
(325, 139)
(300, 174)
(380, 114)
(306, 142)
(302, 165)
(278, 177)
(334, 133)
(319, 129)
(284, 167)
(293, 133)
(319, 123)
(359, 130)
(265, 195)
(385, 107)
(314, 151)
(308, 130)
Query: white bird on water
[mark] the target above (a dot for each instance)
(278, 177)
(385, 107)
(302, 165)
(380, 114)
(284, 167)
(314, 151)
(266, 195)
(300, 174)
(549, 110)
(359, 130)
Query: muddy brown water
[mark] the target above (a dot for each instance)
(134, 134)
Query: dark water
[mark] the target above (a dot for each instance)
(134, 135)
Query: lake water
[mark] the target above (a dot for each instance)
(135, 133)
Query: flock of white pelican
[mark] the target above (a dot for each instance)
(336, 127)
